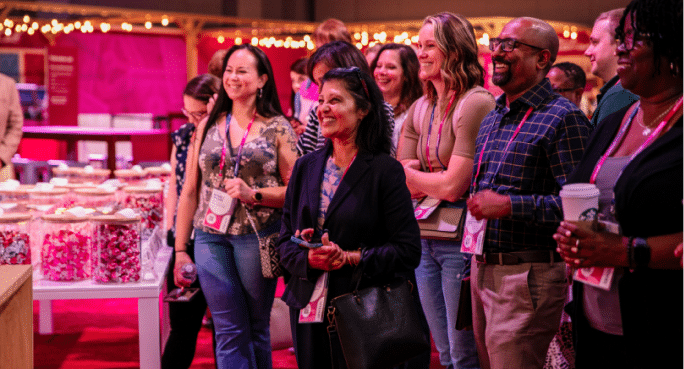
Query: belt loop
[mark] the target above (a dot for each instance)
(501, 258)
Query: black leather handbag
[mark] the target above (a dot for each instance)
(377, 327)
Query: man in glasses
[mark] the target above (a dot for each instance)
(524, 151)
(601, 52)
(568, 80)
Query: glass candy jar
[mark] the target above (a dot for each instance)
(15, 247)
(65, 247)
(162, 173)
(148, 203)
(131, 177)
(48, 199)
(92, 175)
(116, 249)
(100, 199)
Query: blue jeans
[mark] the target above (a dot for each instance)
(239, 297)
(442, 267)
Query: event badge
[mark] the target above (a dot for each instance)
(473, 235)
(314, 311)
(219, 211)
(599, 277)
(425, 207)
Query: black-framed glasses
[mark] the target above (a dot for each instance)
(508, 44)
(194, 114)
(630, 39)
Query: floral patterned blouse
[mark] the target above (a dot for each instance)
(181, 141)
(258, 168)
(332, 176)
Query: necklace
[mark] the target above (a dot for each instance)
(647, 129)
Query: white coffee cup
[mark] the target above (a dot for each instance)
(580, 201)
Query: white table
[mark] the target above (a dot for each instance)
(147, 294)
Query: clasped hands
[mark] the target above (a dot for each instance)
(329, 256)
(586, 244)
(238, 189)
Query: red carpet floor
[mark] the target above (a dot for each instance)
(99, 334)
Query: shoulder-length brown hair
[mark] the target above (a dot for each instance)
(455, 37)
(411, 87)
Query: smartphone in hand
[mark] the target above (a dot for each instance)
(301, 242)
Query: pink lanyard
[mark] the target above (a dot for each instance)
(227, 142)
(505, 150)
(620, 136)
(439, 133)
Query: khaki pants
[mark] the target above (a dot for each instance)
(516, 312)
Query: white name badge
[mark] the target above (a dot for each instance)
(314, 311)
(219, 211)
(473, 235)
(600, 277)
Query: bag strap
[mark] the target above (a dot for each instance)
(251, 221)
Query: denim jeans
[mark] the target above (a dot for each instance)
(439, 275)
(239, 297)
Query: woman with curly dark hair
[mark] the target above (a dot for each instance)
(635, 159)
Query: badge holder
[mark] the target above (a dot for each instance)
(473, 235)
(219, 211)
(314, 311)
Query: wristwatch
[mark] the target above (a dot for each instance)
(257, 197)
(641, 253)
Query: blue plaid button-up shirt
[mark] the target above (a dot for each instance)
(534, 168)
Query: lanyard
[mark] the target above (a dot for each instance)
(504, 153)
(439, 133)
(623, 130)
(226, 142)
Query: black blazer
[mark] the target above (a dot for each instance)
(371, 210)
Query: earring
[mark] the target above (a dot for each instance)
(261, 91)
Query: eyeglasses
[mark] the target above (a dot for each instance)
(630, 39)
(357, 71)
(194, 114)
(508, 44)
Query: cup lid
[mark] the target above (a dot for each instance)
(579, 190)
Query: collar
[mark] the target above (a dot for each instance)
(534, 97)
(612, 82)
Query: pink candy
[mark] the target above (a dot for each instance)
(151, 208)
(14, 248)
(65, 256)
(116, 253)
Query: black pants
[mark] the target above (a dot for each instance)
(186, 322)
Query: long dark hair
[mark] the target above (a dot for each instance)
(337, 54)
(203, 87)
(373, 134)
(411, 88)
(661, 21)
(267, 105)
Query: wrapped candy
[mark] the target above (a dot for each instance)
(65, 249)
(14, 239)
(148, 202)
(96, 198)
(116, 249)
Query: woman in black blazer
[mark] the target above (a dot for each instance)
(352, 197)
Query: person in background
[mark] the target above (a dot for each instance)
(568, 80)
(437, 150)
(297, 76)
(395, 69)
(328, 31)
(635, 159)
(355, 191)
(604, 63)
(336, 54)
(11, 123)
(371, 52)
(525, 149)
(216, 63)
(185, 317)
(245, 150)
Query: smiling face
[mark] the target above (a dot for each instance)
(241, 79)
(430, 56)
(636, 68)
(601, 50)
(337, 112)
(388, 73)
(515, 71)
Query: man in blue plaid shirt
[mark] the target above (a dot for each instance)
(525, 149)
